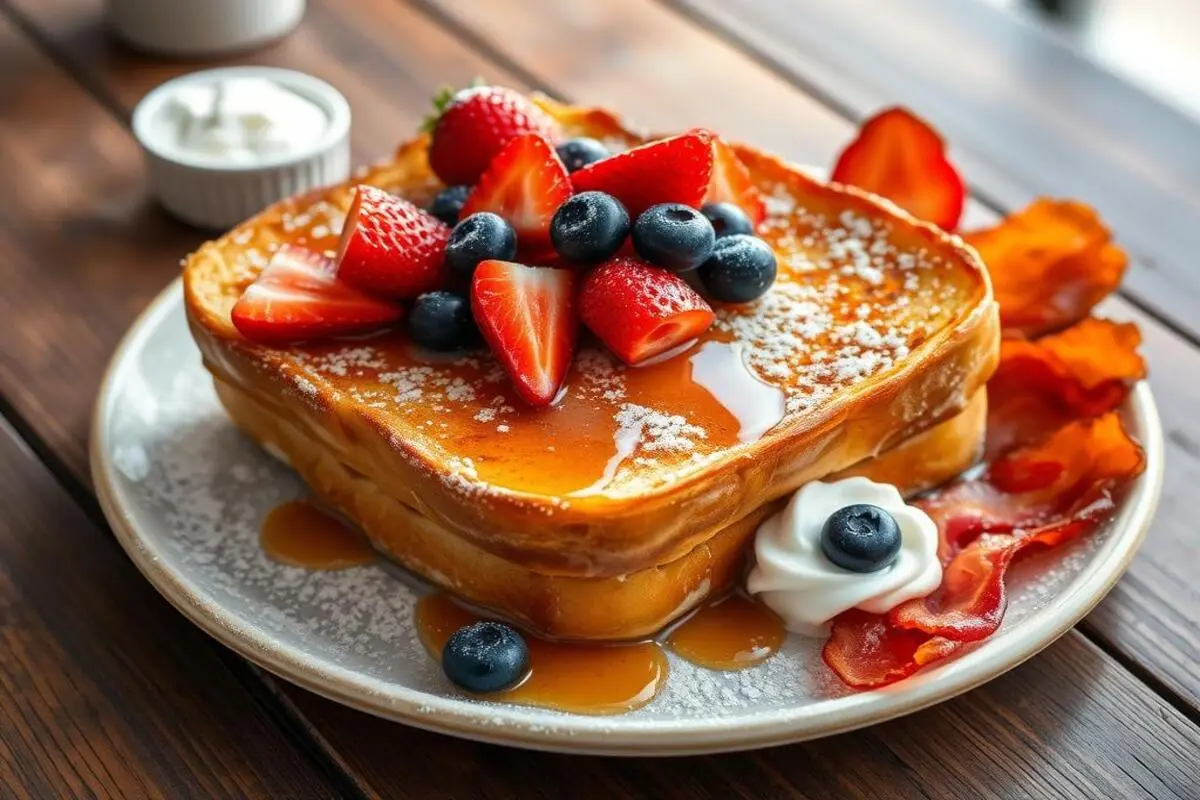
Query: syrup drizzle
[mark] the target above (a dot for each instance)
(299, 534)
(720, 367)
(729, 634)
(579, 677)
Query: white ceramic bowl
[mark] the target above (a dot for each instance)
(202, 27)
(219, 196)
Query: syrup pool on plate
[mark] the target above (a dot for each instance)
(300, 534)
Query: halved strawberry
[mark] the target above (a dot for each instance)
(639, 310)
(298, 297)
(475, 124)
(674, 170)
(390, 247)
(525, 184)
(527, 315)
(899, 156)
(731, 183)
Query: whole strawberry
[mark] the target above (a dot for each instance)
(473, 125)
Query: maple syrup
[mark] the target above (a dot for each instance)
(300, 534)
(732, 633)
(578, 677)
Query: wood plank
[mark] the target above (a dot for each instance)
(91, 704)
(1026, 114)
(612, 54)
(383, 755)
(1069, 723)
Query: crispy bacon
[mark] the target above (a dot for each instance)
(1035, 496)
(1050, 264)
(1041, 385)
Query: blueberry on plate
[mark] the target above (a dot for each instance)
(485, 657)
(578, 153)
(727, 219)
(861, 538)
(589, 227)
(477, 238)
(674, 236)
(742, 268)
(448, 203)
(442, 321)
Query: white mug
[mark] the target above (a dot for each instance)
(202, 27)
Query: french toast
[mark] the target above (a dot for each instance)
(879, 328)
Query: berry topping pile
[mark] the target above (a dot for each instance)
(532, 235)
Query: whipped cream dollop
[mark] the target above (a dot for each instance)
(795, 579)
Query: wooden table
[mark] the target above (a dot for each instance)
(107, 691)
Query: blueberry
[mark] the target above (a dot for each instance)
(741, 269)
(861, 538)
(477, 238)
(578, 153)
(674, 236)
(448, 203)
(589, 227)
(727, 219)
(485, 657)
(442, 321)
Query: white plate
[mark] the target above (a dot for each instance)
(185, 494)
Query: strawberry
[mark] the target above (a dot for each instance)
(298, 296)
(898, 155)
(525, 183)
(674, 170)
(527, 315)
(731, 183)
(390, 247)
(473, 125)
(639, 310)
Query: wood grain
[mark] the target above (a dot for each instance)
(1026, 113)
(90, 705)
(610, 54)
(1069, 723)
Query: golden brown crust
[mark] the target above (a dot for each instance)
(607, 533)
(633, 605)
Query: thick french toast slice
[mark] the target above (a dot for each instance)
(629, 606)
(878, 328)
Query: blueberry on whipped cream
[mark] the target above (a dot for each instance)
(829, 551)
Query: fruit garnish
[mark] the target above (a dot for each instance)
(1042, 384)
(389, 247)
(674, 170)
(578, 153)
(861, 538)
(674, 236)
(639, 310)
(527, 315)
(1032, 498)
(1049, 263)
(479, 237)
(473, 125)
(525, 184)
(485, 657)
(442, 322)
(731, 183)
(727, 219)
(589, 227)
(899, 156)
(447, 204)
(298, 297)
(741, 269)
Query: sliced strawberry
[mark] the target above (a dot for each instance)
(475, 124)
(390, 247)
(674, 170)
(639, 311)
(299, 297)
(731, 183)
(899, 156)
(527, 315)
(525, 184)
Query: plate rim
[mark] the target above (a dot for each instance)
(583, 734)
